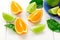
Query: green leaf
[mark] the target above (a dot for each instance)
(38, 2)
(10, 26)
(53, 25)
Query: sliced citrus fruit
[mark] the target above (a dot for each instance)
(8, 18)
(53, 10)
(38, 28)
(15, 8)
(58, 12)
(20, 26)
(35, 16)
(31, 7)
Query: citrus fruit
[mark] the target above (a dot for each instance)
(31, 7)
(52, 3)
(58, 12)
(8, 18)
(15, 8)
(38, 2)
(20, 26)
(38, 28)
(35, 16)
(53, 10)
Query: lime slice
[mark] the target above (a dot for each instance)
(38, 28)
(31, 7)
(8, 18)
(53, 10)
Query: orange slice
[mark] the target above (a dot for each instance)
(15, 8)
(58, 12)
(35, 16)
(20, 26)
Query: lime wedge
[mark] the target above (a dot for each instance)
(8, 18)
(31, 7)
(53, 10)
(38, 28)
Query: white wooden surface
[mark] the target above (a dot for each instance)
(6, 34)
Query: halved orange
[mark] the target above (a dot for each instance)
(20, 26)
(35, 16)
(15, 8)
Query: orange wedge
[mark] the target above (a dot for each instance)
(20, 26)
(35, 16)
(15, 8)
(58, 12)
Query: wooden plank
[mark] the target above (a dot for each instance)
(57, 36)
(2, 22)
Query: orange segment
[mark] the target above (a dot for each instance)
(20, 26)
(35, 16)
(58, 12)
(15, 8)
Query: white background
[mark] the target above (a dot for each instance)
(6, 34)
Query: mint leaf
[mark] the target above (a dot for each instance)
(53, 25)
(10, 26)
